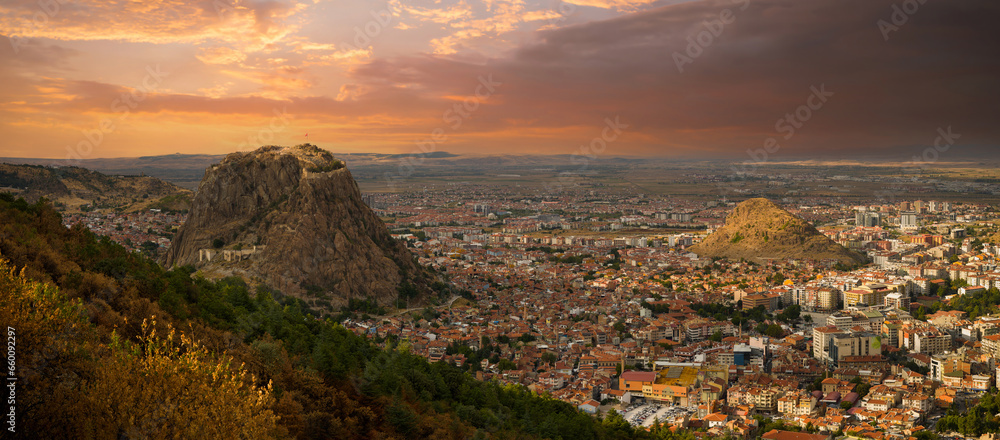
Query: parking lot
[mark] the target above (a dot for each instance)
(645, 414)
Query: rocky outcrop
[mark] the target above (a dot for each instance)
(759, 229)
(74, 188)
(300, 206)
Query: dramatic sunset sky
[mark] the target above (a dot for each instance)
(114, 78)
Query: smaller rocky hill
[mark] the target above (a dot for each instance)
(759, 229)
(72, 188)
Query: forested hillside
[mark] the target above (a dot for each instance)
(111, 345)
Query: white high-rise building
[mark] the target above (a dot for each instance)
(908, 220)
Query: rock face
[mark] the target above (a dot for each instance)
(757, 229)
(292, 217)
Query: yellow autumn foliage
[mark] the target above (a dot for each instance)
(168, 386)
(163, 386)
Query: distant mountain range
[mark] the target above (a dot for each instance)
(187, 170)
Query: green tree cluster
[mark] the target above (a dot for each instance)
(978, 420)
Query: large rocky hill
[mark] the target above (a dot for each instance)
(74, 188)
(293, 217)
(758, 229)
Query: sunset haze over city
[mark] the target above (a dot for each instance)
(500, 219)
(712, 78)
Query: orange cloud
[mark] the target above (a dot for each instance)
(456, 12)
(541, 15)
(221, 55)
(245, 24)
(618, 5)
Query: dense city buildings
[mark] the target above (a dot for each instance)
(599, 299)
(148, 231)
(599, 302)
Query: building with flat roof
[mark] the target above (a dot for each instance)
(633, 381)
(827, 298)
(890, 333)
(908, 220)
(859, 296)
(674, 384)
(897, 300)
(768, 300)
(856, 344)
(821, 340)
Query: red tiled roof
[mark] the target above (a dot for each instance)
(640, 376)
(716, 417)
(775, 434)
